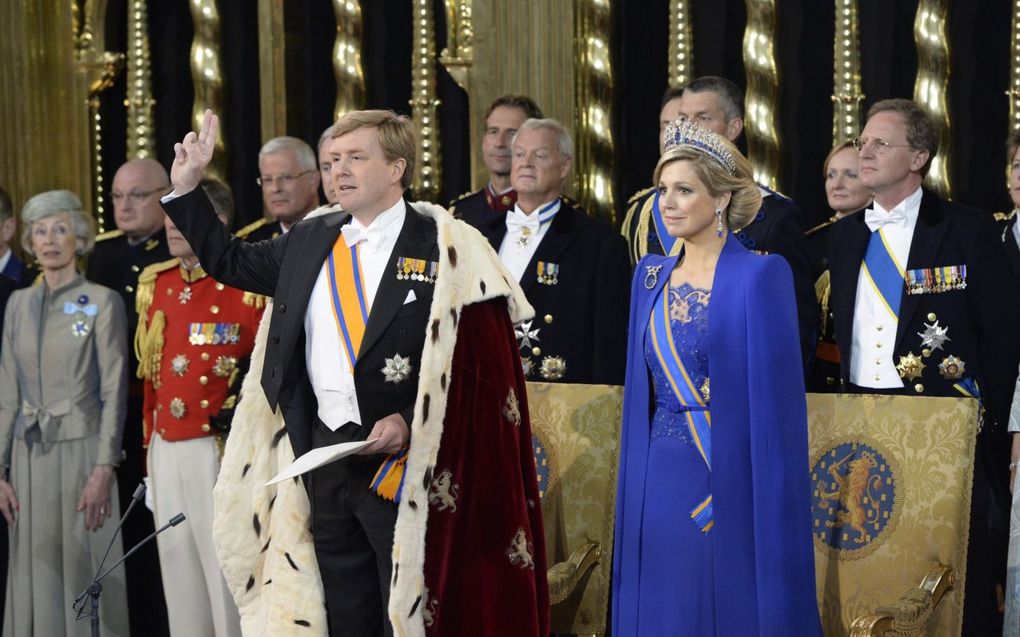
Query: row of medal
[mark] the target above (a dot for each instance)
(214, 333)
(936, 280)
(417, 269)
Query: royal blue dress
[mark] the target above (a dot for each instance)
(676, 557)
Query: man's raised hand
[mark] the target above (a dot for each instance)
(193, 154)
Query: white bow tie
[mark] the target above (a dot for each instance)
(875, 219)
(372, 236)
(520, 223)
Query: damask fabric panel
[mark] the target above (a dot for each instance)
(577, 432)
(892, 478)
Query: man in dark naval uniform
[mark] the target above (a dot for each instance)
(572, 267)
(1009, 229)
(119, 257)
(502, 119)
(12, 268)
(716, 103)
(925, 305)
(289, 178)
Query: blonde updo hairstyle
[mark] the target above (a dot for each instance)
(745, 198)
(54, 202)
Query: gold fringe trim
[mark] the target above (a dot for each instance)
(257, 301)
(822, 291)
(149, 347)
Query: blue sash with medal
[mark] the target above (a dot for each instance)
(884, 273)
(697, 415)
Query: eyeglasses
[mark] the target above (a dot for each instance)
(134, 195)
(879, 145)
(267, 180)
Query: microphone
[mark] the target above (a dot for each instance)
(174, 521)
(136, 497)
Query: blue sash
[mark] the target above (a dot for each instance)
(884, 273)
(699, 419)
(670, 244)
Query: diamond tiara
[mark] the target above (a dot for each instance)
(683, 133)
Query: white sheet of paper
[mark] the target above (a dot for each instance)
(318, 457)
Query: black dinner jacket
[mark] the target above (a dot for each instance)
(981, 319)
(286, 268)
(1005, 223)
(582, 318)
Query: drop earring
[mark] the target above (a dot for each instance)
(719, 224)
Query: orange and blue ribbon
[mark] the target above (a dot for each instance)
(347, 294)
(697, 414)
(388, 482)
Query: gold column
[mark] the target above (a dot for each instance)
(424, 103)
(763, 146)
(350, 79)
(272, 69)
(593, 108)
(931, 88)
(139, 102)
(1014, 72)
(458, 56)
(206, 75)
(846, 74)
(681, 44)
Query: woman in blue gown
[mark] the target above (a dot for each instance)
(713, 529)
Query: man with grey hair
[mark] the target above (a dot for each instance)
(924, 305)
(289, 178)
(325, 166)
(717, 104)
(11, 267)
(572, 267)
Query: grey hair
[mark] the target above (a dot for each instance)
(326, 134)
(53, 202)
(302, 151)
(564, 143)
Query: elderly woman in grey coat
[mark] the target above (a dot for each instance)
(63, 391)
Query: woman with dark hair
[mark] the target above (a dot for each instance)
(64, 380)
(713, 529)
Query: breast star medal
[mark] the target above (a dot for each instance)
(80, 328)
(179, 365)
(652, 275)
(525, 334)
(553, 368)
(224, 366)
(177, 408)
(525, 236)
(934, 336)
(397, 369)
(910, 366)
(184, 296)
(952, 368)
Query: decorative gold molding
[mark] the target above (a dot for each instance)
(139, 102)
(458, 56)
(681, 44)
(350, 78)
(846, 73)
(593, 108)
(931, 88)
(424, 102)
(272, 69)
(206, 75)
(764, 148)
(1014, 71)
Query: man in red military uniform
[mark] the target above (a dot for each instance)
(194, 338)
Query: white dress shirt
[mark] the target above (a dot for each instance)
(523, 234)
(874, 329)
(328, 369)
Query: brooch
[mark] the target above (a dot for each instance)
(934, 336)
(652, 275)
(952, 368)
(179, 365)
(548, 273)
(553, 368)
(397, 369)
(910, 366)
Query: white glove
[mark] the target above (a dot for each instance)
(148, 494)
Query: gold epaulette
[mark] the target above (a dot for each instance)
(1004, 216)
(252, 227)
(825, 224)
(463, 196)
(639, 194)
(145, 289)
(109, 234)
(823, 289)
(254, 300)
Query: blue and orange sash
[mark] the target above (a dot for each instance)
(884, 273)
(699, 419)
(670, 244)
(347, 294)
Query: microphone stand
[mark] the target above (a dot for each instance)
(95, 588)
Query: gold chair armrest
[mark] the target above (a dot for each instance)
(911, 612)
(565, 577)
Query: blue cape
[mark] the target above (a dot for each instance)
(762, 546)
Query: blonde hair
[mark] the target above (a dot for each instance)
(54, 202)
(832, 153)
(745, 197)
(396, 136)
